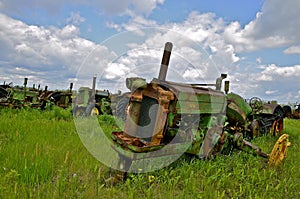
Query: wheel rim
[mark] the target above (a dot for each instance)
(255, 128)
(277, 127)
(94, 111)
(279, 151)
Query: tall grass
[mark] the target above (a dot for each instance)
(41, 156)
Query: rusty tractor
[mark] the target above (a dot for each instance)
(21, 97)
(89, 101)
(292, 113)
(166, 118)
(260, 117)
(60, 98)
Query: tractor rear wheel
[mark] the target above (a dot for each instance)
(255, 128)
(121, 108)
(92, 109)
(277, 127)
(287, 110)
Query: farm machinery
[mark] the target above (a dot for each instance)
(18, 97)
(165, 119)
(89, 101)
(60, 98)
(292, 113)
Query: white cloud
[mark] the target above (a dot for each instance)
(50, 53)
(269, 92)
(116, 70)
(204, 30)
(270, 82)
(292, 50)
(135, 24)
(146, 6)
(287, 71)
(75, 19)
(259, 60)
(276, 25)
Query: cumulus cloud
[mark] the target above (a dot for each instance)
(204, 30)
(277, 82)
(50, 53)
(287, 71)
(275, 26)
(135, 24)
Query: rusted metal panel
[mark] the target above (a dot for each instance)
(270, 108)
(134, 108)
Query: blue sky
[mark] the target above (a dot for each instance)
(256, 42)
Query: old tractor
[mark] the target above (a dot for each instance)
(259, 117)
(60, 98)
(89, 101)
(292, 113)
(21, 97)
(166, 118)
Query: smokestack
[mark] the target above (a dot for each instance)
(165, 61)
(94, 84)
(25, 81)
(71, 86)
(25, 84)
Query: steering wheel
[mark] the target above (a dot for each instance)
(255, 103)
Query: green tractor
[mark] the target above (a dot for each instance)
(60, 98)
(89, 101)
(165, 119)
(21, 97)
(254, 118)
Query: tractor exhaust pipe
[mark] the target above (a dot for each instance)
(71, 86)
(25, 84)
(165, 61)
(94, 85)
(92, 97)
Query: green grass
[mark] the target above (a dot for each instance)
(41, 156)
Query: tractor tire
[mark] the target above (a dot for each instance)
(3, 93)
(121, 108)
(92, 110)
(277, 127)
(78, 111)
(255, 128)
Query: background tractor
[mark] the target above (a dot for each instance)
(18, 97)
(60, 98)
(292, 113)
(89, 101)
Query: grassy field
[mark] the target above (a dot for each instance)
(41, 156)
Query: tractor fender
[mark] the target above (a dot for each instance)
(273, 109)
(237, 108)
(287, 110)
